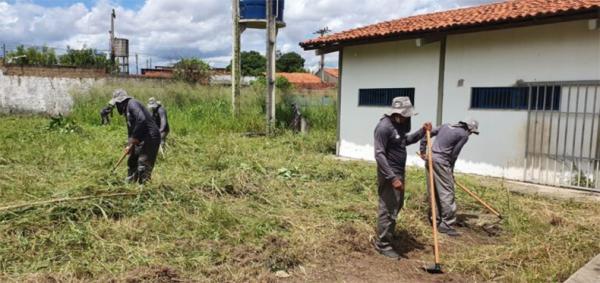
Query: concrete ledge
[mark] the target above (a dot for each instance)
(553, 192)
(588, 273)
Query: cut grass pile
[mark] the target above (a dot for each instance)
(226, 207)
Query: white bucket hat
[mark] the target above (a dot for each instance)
(119, 96)
(402, 105)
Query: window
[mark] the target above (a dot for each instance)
(383, 96)
(516, 98)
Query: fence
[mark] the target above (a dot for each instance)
(563, 145)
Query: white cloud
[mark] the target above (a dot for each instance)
(168, 29)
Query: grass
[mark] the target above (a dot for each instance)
(226, 207)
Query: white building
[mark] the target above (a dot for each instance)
(517, 67)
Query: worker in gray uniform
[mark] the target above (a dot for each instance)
(449, 141)
(105, 114)
(391, 138)
(159, 113)
(143, 136)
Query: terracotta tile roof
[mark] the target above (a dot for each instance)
(503, 12)
(304, 80)
(333, 72)
(300, 78)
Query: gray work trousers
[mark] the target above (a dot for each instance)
(141, 161)
(390, 203)
(443, 176)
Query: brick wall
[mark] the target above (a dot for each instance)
(53, 72)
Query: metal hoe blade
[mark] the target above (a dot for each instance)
(434, 268)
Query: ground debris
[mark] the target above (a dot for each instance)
(160, 274)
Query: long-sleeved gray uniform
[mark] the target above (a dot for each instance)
(141, 126)
(446, 148)
(160, 117)
(391, 140)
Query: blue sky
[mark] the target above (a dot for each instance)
(167, 30)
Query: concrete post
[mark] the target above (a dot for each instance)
(271, 42)
(236, 68)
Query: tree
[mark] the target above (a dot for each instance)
(290, 63)
(192, 70)
(31, 56)
(85, 58)
(253, 64)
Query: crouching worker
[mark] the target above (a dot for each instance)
(105, 114)
(159, 114)
(143, 134)
(449, 141)
(391, 138)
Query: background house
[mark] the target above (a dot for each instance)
(529, 71)
(330, 76)
(305, 81)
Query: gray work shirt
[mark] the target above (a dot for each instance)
(448, 143)
(390, 148)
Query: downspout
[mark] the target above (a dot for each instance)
(442, 70)
(339, 102)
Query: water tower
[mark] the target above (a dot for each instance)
(119, 48)
(256, 14)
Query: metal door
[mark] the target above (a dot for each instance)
(562, 145)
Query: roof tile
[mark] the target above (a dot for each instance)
(512, 10)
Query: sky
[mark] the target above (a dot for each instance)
(166, 30)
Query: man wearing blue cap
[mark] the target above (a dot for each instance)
(391, 138)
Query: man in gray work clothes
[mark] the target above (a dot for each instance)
(391, 138)
(446, 147)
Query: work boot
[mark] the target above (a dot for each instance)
(387, 251)
(449, 231)
(391, 253)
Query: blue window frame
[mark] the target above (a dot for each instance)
(516, 98)
(383, 96)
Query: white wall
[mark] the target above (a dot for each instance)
(556, 52)
(564, 51)
(21, 94)
(387, 65)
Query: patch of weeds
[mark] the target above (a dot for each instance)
(64, 125)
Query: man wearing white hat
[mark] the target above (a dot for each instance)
(143, 134)
(391, 138)
(159, 113)
(446, 147)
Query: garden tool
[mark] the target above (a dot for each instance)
(127, 151)
(436, 267)
(492, 210)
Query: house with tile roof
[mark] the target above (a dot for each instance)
(527, 70)
(330, 76)
(306, 81)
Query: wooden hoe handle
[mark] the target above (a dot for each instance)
(436, 248)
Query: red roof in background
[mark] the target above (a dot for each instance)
(503, 12)
(333, 72)
(300, 78)
(304, 80)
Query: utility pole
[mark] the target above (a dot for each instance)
(113, 15)
(236, 67)
(271, 41)
(137, 67)
(3, 53)
(323, 32)
(150, 63)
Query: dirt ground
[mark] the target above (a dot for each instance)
(364, 264)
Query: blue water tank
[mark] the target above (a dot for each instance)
(257, 9)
